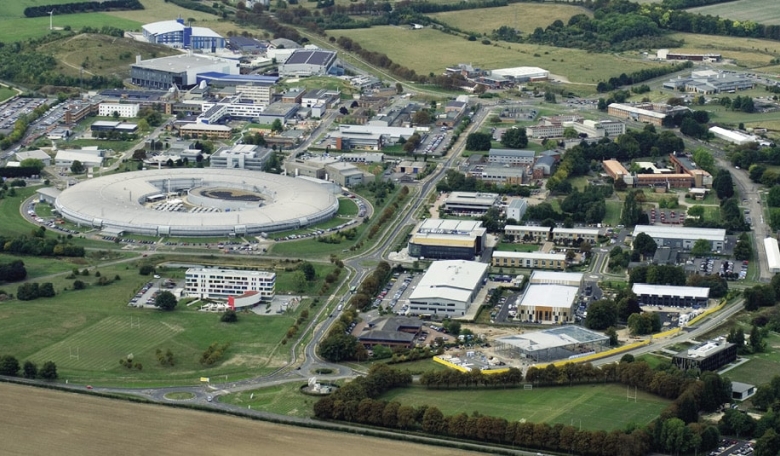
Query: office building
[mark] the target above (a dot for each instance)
(448, 288)
(682, 237)
(670, 295)
(709, 356)
(223, 283)
(444, 239)
(529, 260)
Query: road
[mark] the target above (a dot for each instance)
(748, 190)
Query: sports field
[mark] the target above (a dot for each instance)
(597, 406)
(761, 11)
(524, 17)
(40, 421)
(429, 51)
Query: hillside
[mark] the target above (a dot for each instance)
(101, 55)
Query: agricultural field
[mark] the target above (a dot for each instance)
(19, 29)
(748, 52)
(103, 55)
(761, 11)
(431, 51)
(43, 421)
(598, 406)
(524, 17)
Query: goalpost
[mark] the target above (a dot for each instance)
(630, 396)
(528, 386)
(72, 354)
(135, 323)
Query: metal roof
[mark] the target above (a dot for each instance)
(530, 255)
(675, 232)
(556, 277)
(640, 289)
(772, 253)
(450, 279)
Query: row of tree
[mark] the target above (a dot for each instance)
(83, 7)
(33, 290)
(640, 76)
(676, 430)
(39, 246)
(10, 366)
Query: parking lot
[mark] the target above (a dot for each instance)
(395, 295)
(147, 294)
(666, 216)
(433, 144)
(11, 111)
(733, 448)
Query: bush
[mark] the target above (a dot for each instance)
(229, 316)
(146, 270)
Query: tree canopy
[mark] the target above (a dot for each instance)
(165, 301)
(514, 138)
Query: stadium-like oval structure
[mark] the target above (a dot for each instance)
(196, 202)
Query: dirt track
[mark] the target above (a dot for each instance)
(45, 422)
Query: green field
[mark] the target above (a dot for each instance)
(762, 367)
(282, 399)
(19, 28)
(6, 93)
(761, 11)
(509, 247)
(86, 332)
(749, 52)
(347, 208)
(13, 223)
(598, 406)
(41, 266)
(614, 208)
(429, 50)
(524, 17)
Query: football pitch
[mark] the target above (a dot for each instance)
(598, 406)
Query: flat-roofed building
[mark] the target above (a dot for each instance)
(682, 237)
(511, 156)
(470, 202)
(447, 239)
(734, 137)
(34, 154)
(652, 113)
(198, 130)
(772, 254)
(547, 303)
(709, 356)
(241, 156)
(260, 93)
(308, 62)
(499, 174)
(529, 260)
(179, 70)
(528, 233)
(223, 283)
(124, 110)
(345, 174)
(575, 236)
(670, 295)
(516, 209)
(65, 158)
(447, 288)
(570, 279)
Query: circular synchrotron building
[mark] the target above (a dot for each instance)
(196, 202)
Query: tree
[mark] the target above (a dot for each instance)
(743, 250)
(478, 141)
(645, 245)
(399, 88)
(338, 347)
(570, 133)
(165, 301)
(601, 315)
(704, 160)
(115, 115)
(723, 184)
(432, 420)
(308, 271)
(299, 280)
(48, 371)
(146, 269)
(514, 138)
(32, 163)
(757, 344)
(30, 369)
(277, 126)
(421, 117)
(701, 247)
(632, 209)
(76, 167)
(696, 211)
(229, 316)
(9, 366)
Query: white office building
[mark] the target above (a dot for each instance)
(448, 288)
(516, 209)
(224, 283)
(125, 110)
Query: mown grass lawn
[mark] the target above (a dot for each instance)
(601, 406)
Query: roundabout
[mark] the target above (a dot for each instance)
(196, 202)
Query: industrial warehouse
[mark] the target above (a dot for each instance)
(562, 342)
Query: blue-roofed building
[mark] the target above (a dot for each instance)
(245, 44)
(309, 62)
(179, 35)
